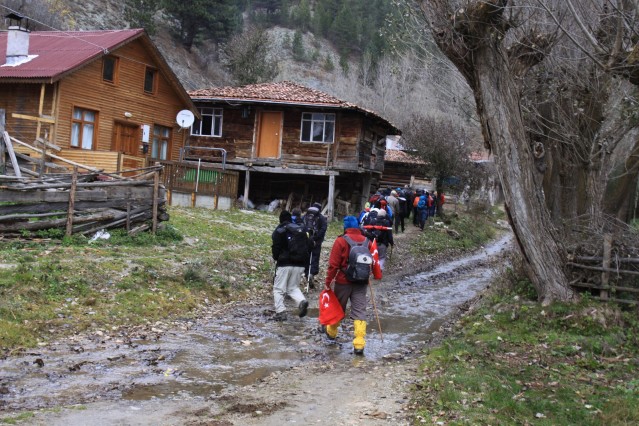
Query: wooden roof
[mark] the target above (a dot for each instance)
(398, 156)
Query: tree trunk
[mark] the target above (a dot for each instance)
(497, 97)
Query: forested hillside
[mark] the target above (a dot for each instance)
(350, 48)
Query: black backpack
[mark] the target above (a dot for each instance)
(360, 261)
(298, 243)
(312, 222)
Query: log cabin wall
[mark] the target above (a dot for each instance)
(238, 138)
(24, 99)
(85, 88)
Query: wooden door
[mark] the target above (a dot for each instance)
(125, 139)
(270, 135)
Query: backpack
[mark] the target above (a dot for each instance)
(298, 244)
(360, 261)
(311, 222)
(421, 203)
(430, 201)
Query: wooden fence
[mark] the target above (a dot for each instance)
(81, 203)
(609, 277)
(199, 179)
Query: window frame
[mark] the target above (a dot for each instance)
(313, 122)
(116, 68)
(214, 114)
(82, 122)
(168, 138)
(154, 83)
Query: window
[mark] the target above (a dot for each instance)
(318, 127)
(150, 80)
(210, 124)
(109, 69)
(83, 128)
(161, 145)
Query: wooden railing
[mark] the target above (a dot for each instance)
(202, 179)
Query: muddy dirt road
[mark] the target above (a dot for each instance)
(236, 366)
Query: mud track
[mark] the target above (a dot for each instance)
(236, 366)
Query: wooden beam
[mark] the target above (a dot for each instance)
(32, 118)
(12, 155)
(156, 186)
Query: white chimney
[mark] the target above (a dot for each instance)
(17, 45)
(17, 40)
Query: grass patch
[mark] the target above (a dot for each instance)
(513, 361)
(61, 286)
(457, 232)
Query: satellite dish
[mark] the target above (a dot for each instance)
(185, 118)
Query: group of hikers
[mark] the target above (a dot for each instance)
(297, 242)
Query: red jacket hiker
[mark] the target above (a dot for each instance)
(338, 260)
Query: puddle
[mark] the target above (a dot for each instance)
(243, 348)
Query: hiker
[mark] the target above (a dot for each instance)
(403, 210)
(393, 203)
(296, 215)
(315, 223)
(339, 266)
(291, 257)
(384, 236)
(416, 198)
(422, 210)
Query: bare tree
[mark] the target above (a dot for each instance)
(557, 123)
(446, 146)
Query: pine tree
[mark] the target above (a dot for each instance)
(299, 54)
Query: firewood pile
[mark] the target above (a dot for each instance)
(81, 203)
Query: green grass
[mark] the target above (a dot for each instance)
(515, 362)
(469, 230)
(67, 284)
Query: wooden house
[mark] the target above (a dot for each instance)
(290, 142)
(106, 99)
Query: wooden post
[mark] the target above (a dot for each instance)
(605, 275)
(366, 190)
(331, 197)
(71, 208)
(128, 217)
(3, 166)
(12, 155)
(247, 181)
(156, 187)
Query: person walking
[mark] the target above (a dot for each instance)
(315, 223)
(384, 235)
(290, 249)
(346, 290)
(393, 203)
(422, 210)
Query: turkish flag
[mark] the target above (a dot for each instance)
(377, 269)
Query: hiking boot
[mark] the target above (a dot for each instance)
(358, 351)
(303, 308)
(280, 316)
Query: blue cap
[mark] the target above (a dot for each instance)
(350, 222)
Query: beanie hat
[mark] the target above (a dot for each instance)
(318, 205)
(350, 222)
(285, 216)
(381, 213)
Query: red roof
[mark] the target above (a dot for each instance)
(59, 52)
(283, 92)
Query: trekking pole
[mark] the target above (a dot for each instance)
(308, 276)
(379, 325)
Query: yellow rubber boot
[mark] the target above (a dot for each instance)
(331, 331)
(359, 330)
